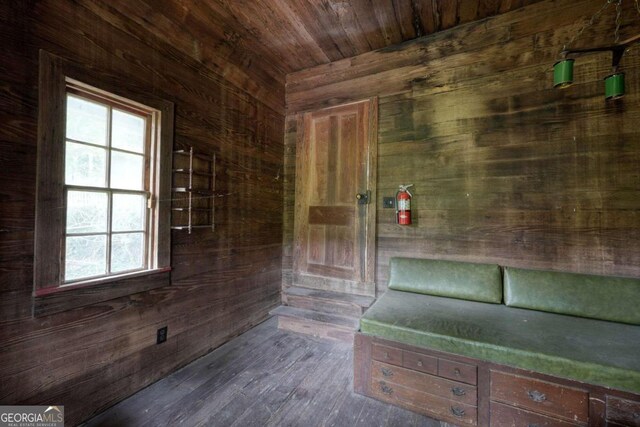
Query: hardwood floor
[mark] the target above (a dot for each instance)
(265, 377)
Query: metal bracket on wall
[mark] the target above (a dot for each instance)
(193, 191)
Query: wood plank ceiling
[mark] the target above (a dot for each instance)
(277, 37)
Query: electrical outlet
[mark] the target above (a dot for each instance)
(162, 335)
(388, 202)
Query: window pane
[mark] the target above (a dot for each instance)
(126, 171)
(85, 257)
(85, 165)
(86, 121)
(86, 212)
(127, 252)
(128, 212)
(127, 131)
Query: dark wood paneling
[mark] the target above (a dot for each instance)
(291, 137)
(61, 300)
(304, 33)
(224, 282)
(204, 32)
(253, 43)
(505, 169)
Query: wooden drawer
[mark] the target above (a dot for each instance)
(509, 416)
(387, 354)
(425, 383)
(622, 411)
(458, 371)
(540, 396)
(434, 406)
(419, 362)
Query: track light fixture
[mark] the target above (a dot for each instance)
(614, 82)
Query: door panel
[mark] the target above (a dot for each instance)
(333, 233)
(316, 250)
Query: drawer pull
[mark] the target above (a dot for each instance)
(456, 372)
(386, 354)
(457, 391)
(385, 388)
(457, 412)
(386, 372)
(536, 396)
(533, 425)
(419, 363)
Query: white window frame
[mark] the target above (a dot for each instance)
(151, 117)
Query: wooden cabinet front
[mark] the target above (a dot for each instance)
(419, 362)
(425, 403)
(623, 412)
(510, 416)
(387, 354)
(543, 397)
(431, 384)
(466, 391)
(413, 380)
(458, 371)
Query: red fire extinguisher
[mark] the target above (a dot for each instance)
(403, 205)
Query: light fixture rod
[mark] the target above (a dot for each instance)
(617, 50)
(631, 40)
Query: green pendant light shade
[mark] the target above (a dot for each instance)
(614, 86)
(563, 73)
(613, 83)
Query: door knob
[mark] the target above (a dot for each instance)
(363, 198)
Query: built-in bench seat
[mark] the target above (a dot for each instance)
(588, 350)
(582, 330)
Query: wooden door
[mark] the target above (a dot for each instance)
(334, 233)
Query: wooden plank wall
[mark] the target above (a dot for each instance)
(292, 123)
(506, 169)
(223, 283)
(298, 34)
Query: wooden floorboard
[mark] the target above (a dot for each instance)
(261, 410)
(265, 377)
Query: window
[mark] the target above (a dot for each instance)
(109, 215)
(104, 182)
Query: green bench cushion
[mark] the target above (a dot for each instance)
(598, 297)
(464, 280)
(588, 350)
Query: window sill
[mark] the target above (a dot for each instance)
(48, 301)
